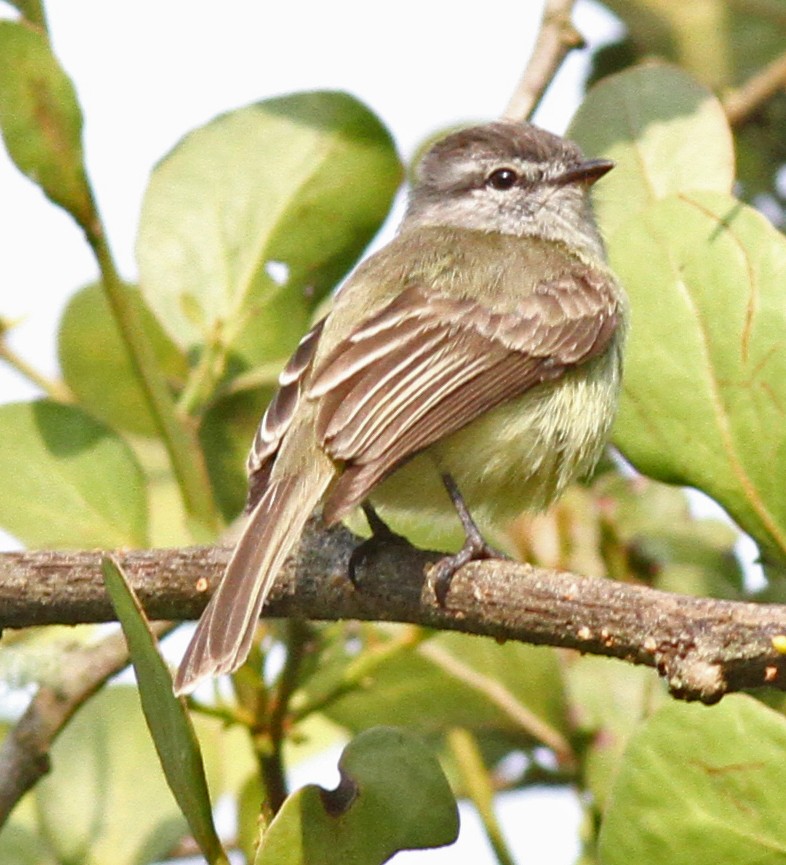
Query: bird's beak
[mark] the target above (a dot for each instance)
(586, 172)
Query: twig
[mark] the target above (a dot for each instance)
(746, 100)
(24, 754)
(478, 788)
(271, 755)
(557, 37)
(53, 388)
(703, 647)
(358, 670)
(177, 433)
(497, 694)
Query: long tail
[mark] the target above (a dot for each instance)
(225, 632)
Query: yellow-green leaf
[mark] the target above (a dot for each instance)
(392, 796)
(166, 716)
(698, 786)
(96, 365)
(666, 133)
(705, 379)
(68, 480)
(40, 118)
(255, 216)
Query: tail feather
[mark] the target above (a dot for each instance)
(225, 632)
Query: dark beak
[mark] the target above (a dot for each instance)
(586, 172)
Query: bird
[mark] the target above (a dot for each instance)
(472, 364)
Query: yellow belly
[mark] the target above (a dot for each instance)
(519, 456)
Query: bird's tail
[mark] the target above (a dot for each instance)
(225, 632)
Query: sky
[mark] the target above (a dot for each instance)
(148, 72)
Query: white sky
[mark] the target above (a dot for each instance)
(147, 72)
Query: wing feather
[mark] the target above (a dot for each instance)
(425, 367)
(278, 415)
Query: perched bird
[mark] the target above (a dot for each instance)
(475, 358)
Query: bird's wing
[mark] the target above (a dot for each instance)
(278, 415)
(427, 365)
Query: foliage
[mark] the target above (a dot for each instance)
(247, 226)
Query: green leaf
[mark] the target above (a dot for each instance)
(451, 681)
(667, 545)
(19, 846)
(169, 525)
(666, 133)
(105, 799)
(723, 44)
(705, 376)
(96, 365)
(68, 481)
(41, 120)
(699, 786)
(392, 796)
(166, 716)
(32, 10)
(301, 182)
(608, 703)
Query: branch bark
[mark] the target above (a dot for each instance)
(557, 37)
(703, 647)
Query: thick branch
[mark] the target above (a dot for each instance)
(557, 37)
(702, 646)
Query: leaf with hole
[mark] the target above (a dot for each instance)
(392, 796)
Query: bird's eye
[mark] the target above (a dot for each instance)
(502, 178)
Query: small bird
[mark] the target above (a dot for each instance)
(474, 363)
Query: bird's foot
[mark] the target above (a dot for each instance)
(381, 534)
(475, 547)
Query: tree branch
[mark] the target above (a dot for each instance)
(557, 37)
(703, 647)
(748, 98)
(24, 754)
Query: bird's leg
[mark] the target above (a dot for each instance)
(381, 533)
(379, 528)
(475, 547)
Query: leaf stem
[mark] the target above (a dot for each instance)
(479, 789)
(53, 388)
(33, 11)
(178, 434)
(744, 101)
(358, 671)
(203, 380)
(264, 375)
(504, 700)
